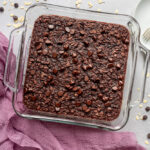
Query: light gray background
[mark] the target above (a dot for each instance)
(139, 127)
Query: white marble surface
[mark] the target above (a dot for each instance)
(141, 128)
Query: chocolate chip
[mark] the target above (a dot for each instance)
(33, 98)
(90, 66)
(45, 52)
(1, 9)
(48, 42)
(89, 102)
(120, 83)
(57, 109)
(38, 45)
(109, 109)
(48, 93)
(60, 93)
(72, 31)
(75, 60)
(32, 72)
(110, 59)
(100, 95)
(147, 108)
(67, 29)
(90, 53)
(94, 87)
(110, 65)
(80, 92)
(118, 66)
(78, 104)
(85, 67)
(75, 88)
(114, 88)
(54, 55)
(61, 52)
(74, 55)
(45, 34)
(16, 5)
(86, 43)
(65, 54)
(145, 117)
(105, 98)
(84, 108)
(82, 32)
(66, 46)
(51, 26)
(55, 71)
(15, 18)
(86, 78)
(76, 72)
(50, 77)
(72, 82)
(67, 86)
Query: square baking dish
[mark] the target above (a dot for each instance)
(18, 53)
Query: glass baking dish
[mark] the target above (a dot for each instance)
(18, 52)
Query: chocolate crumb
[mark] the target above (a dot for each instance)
(147, 108)
(16, 5)
(1, 9)
(15, 18)
(145, 117)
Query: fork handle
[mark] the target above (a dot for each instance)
(145, 74)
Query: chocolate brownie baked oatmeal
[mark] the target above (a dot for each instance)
(76, 68)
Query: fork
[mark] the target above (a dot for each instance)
(146, 35)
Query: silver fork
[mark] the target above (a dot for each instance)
(146, 35)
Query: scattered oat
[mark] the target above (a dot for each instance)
(16, 25)
(9, 25)
(100, 1)
(4, 3)
(138, 89)
(144, 101)
(21, 7)
(12, 4)
(116, 11)
(27, 3)
(78, 6)
(11, 15)
(140, 105)
(21, 19)
(77, 2)
(99, 10)
(137, 117)
(146, 142)
(90, 4)
(148, 75)
(148, 95)
(37, 0)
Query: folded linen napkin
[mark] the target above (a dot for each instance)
(17, 133)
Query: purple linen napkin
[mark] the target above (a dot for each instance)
(17, 133)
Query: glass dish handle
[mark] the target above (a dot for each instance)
(147, 56)
(13, 58)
